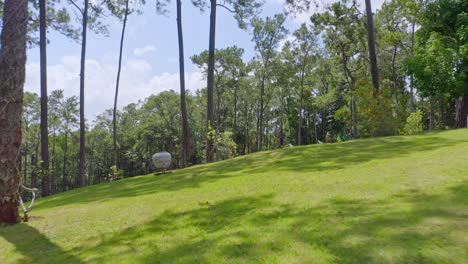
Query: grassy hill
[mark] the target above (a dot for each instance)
(385, 200)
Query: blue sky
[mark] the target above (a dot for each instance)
(150, 58)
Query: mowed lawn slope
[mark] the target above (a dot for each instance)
(384, 200)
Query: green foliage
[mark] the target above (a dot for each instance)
(225, 146)
(344, 115)
(376, 116)
(440, 62)
(115, 174)
(413, 124)
(242, 10)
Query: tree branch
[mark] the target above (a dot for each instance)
(227, 8)
(77, 7)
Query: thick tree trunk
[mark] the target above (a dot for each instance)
(114, 112)
(45, 175)
(12, 77)
(183, 106)
(461, 111)
(371, 44)
(26, 148)
(81, 176)
(210, 79)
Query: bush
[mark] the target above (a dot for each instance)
(413, 124)
(116, 173)
(376, 114)
(223, 144)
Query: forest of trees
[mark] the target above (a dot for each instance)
(333, 79)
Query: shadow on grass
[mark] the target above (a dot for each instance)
(341, 156)
(296, 159)
(411, 227)
(34, 246)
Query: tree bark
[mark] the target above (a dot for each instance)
(45, 175)
(394, 81)
(413, 25)
(371, 43)
(64, 167)
(34, 167)
(53, 178)
(431, 113)
(260, 117)
(355, 131)
(114, 112)
(234, 126)
(183, 105)
(210, 79)
(12, 77)
(81, 176)
(301, 117)
(461, 111)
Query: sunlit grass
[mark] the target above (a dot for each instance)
(385, 200)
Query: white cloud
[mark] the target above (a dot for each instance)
(142, 51)
(136, 83)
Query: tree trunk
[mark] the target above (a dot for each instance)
(64, 168)
(210, 79)
(81, 176)
(281, 120)
(394, 82)
(12, 77)
(114, 119)
(45, 176)
(441, 115)
(260, 116)
(299, 127)
(34, 159)
(90, 164)
(431, 113)
(26, 148)
(218, 106)
(234, 129)
(413, 25)
(355, 131)
(53, 178)
(183, 106)
(461, 111)
(371, 43)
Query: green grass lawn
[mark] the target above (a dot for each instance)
(384, 200)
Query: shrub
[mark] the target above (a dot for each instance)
(376, 114)
(413, 124)
(223, 144)
(116, 173)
